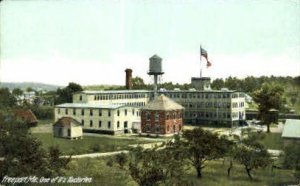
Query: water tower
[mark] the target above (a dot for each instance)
(155, 69)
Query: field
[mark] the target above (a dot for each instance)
(89, 144)
(214, 174)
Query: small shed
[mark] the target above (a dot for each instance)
(27, 116)
(67, 127)
(291, 132)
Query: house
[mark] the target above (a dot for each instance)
(162, 116)
(67, 127)
(98, 118)
(291, 132)
(27, 116)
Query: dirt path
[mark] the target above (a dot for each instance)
(103, 154)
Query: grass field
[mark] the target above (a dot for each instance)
(88, 144)
(273, 141)
(45, 121)
(214, 174)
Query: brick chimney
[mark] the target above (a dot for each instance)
(128, 79)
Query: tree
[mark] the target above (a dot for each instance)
(218, 84)
(121, 159)
(17, 92)
(22, 154)
(249, 84)
(202, 146)
(29, 89)
(65, 95)
(149, 167)
(56, 164)
(6, 99)
(269, 96)
(137, 83)
(249, 152)
(233, 83)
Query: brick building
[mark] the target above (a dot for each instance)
(162, 116)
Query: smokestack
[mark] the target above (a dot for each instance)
(128, 79)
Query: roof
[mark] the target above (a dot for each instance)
(90, 105)
(114, 91)
(26, 115)
(155, 57)
(291, 129)
(67, 122)
(162, 103)
(152, 91)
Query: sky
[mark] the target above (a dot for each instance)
(92, 42)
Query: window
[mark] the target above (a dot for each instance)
(100, 112)
(148, 128)
(125, 124)
(148, 116)
(108, 124)
(133, 112)
(74, 111)
(156, 116)
(99, 124)
(174, 128)
(66, 111)
(58, 110)
(118, 124)
(157, 128)
(118, 113)
(91, 123)
(109, 113)
(82, 122)
(80, 97)
(125, 112)
(91, 112)
(82, 112)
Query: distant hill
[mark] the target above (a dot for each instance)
(34, 85)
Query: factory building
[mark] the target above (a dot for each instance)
(97, 118)
(207, 107)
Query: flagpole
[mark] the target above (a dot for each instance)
(200, 63)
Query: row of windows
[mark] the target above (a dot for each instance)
(135, 104)
(207, 105)
(120, 96)
(171, 95)
(172, 115)
(214, 115)
(198, 95)
(158, 128)
(108, 124)
(92, 112)
(238, 104)
(207, 115)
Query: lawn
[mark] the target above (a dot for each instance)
(273, 141)
(214, 174)
(89, 144)
(45, 121)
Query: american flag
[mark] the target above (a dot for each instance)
(204, 54)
